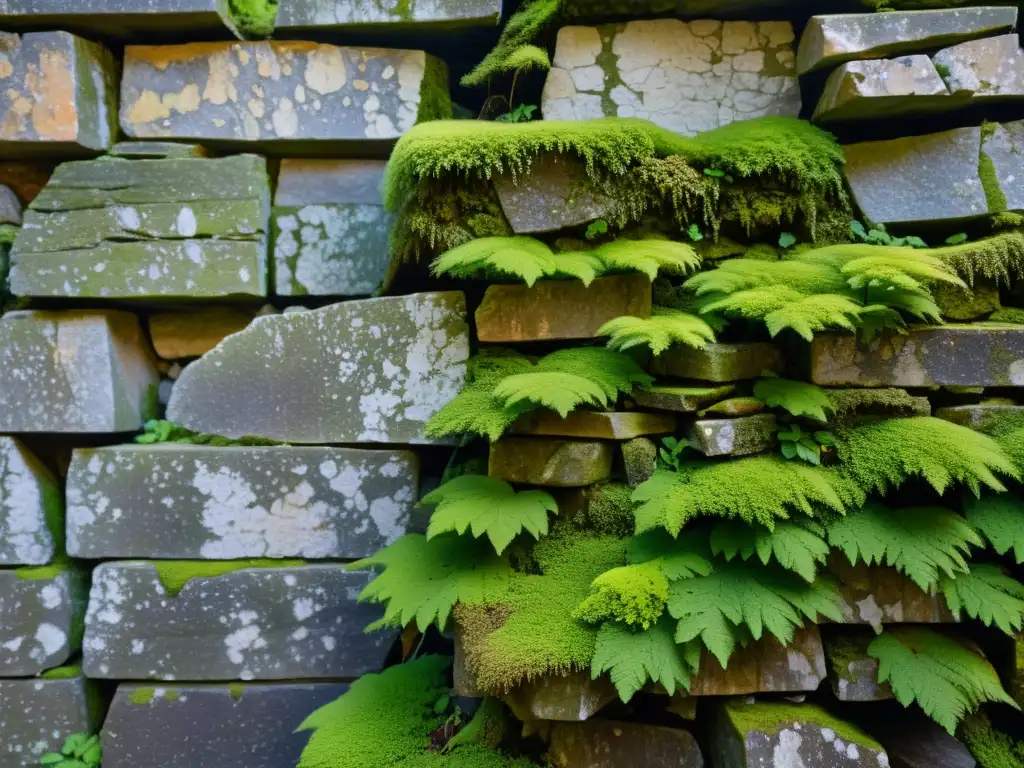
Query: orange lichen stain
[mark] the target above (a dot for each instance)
(54, 113)
(6, 68)
(148, 108)
(187, 100)
(325, 69)
(360, 85)
(220, 87)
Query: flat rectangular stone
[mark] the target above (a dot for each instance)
(81, 371)
(604, 425)
(719, 362)
(250, 624)
(41, 613)
(38, 714)
(331, 231)
(571, 698)
(878, 595)
(951, 355)
(559, 309)
(681, 399)
(613, 744)
(31, 507)
(58, 96)
(687, 77)
(990, 69)
(832, 39)
(414, 17)
(280, 92)
(883, 88)
(179, 335)
(551, 462)
(742, 436)
(117, 18)
(182, 502)
(980, 417)
(368, 371)
(195, 724)
(915, 741)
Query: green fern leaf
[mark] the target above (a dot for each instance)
(1000, 519)
(634, 658)
(649, 256)
(614, 372)
(525, 258)
(679, 557)
(876, 318)
(660, 331)
(752, 303)
(475, 411)
(744, 274)
(798, 547)
(799, 398)
(919, 542)
(424, 578)
(988, 594)
(584, 266)
(923, 307)
(487, 505)
(814, 313)
(906, 268)
(945, 678)
(632, 594)
(561, 392)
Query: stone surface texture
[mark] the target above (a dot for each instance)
(981, 417)
(719, 363)
(275, 91)
(681, 399)
(853, 674)
(603, 425)
(734, 437)
(369, 371)
(765, 666)
(611, 744)
(415, 15)
(1003, 145)
(10, 206)
(82, 371)
(991, 67)
(118, 18)
(31, 508)
(195, 724)
(685, 76)
(183, 502)
(879, 595)
(251, 624)
(37, 714)
(40, 618)
(192, 228)
(550, 462)
(58, 94)
(330, 228)
(184, 334)
(570, 698)
(881, 88)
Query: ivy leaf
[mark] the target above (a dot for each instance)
(561, 392)
(988, 594)
(799, 398)
(633, 658)
(918, 542)
(798, 547)
(1000, 519)
(487, 505)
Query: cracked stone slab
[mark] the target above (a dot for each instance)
(741, 436)
(604, 425)
(883, 88)
(31, 507)
(687, 77)
(719, 363)
(180, 335)
(367, 371)
(984, 70)
(612, 744)
(877, 595)
(414, 16)
(41, 613)
(1003, 145)
(852, 674)
(559, 309)
(747, 734)
(118, 18)
(203, 724)
(58, 94)
(551, 462)
(250, 624)
(189, 228)
(75, 371)
(183, 502)
(38, 714)
(765, 666)
(832, 39)
(279, 93)
(978, 355)
(331, 230)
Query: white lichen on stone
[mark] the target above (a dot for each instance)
(25, 538)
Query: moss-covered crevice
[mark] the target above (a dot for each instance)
(770, 717)
(994, 195)
(174, 574)
(252, 18)
(435, 96)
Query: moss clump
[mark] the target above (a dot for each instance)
(1010, 315)
(7, 234)
(236, 690)
(994, 195)
(999, 258)
(156, 431)
(174, 574)
(253, 18)
(850, 405)
(435, 98)
(43, 572)
(636, 595)
(520, 31)
(610, 509)
(62, 673)
(843, 650)
(142, 696)
(990, 747)
(770, 717)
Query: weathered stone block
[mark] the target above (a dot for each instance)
(957, 304)
(984, 69)
(179, 335)
(598, 425)
(1002, 147)
(681, 399)
(172, 228)
(83, 371)
(38, 714)
(719, 362)
(31, 508)
(766, 666)
(982, 418)
(961, 355)
(10, 206)
(883, 88)
(639, 457)
(878, 595)
(204, 724)
(685, 76)
(415, 16)
(852, 673)
(915, 741)
(571, 698)
(330, 228)
(250, 624)
(558, 463)
(118, 18)
(156, 150)
(58, 95)
(279, 92)
(559, 309)
(832, 39)
(734, 437)
(612, 744)
(372, 371)
(40, 618)
(755, 734)
(181, 502)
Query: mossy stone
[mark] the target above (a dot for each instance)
(765, 666)
(853, 674)
(40, 618)
(640, 456)
(551, 462)
(613, 744)
(719, 363)
(600, 425)
(959, 305)
(882, 89)
(681, 399)
(741, 436)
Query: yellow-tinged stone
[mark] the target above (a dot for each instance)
(551, 462)
(595, 424)
(178, 335)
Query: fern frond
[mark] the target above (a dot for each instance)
(798, 546)
(999, 258)
(636, 658)
(920, 542)
(582, 265)
(798, 398)
(909, 269)
(650, 256)
(814, 313)
(679, 557)
(614, 372)
(632, 594)
(987, 594)
(736, 275)
(487, 505)
(526, 58)
(525, 258)
(561, 392)
(475, 411)
(1000, 519)
(664, 328)
(944, 677)
(751, 303)
(918, 305)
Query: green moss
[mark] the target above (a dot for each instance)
(635, 595)
(610, 509)
(1011, 315)
(843, 650)
(142, 696)
(174, 574)
(435, 97)
(171, 694)
(770, 717)
(990, 747)
(994, 195)
(156, 431)
(7, 234)
(849, 405)
(43, 572)
(62, 673)
(522, 28)
(254, 18)
(236, 690)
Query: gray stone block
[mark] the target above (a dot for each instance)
(883, 88)
(31, 507)
(982, 418)
(413, 16)
(765, 666)
(734, 437)
(1003, 146)
(917, 742)
(194, 332)
(279, 92)
(853, 674)
(117, 18)
(681, 399)
(612, 744)
(719, 363)
(877, 595)
(205, 724)
(58, 96)
(41, 613)
(685, 76)
(81, 371)
(991, 68)
(38, 714)
(331, 231)
(273, 623)
(10, 206)
(191, 228)
(369, 371)
(182, 502)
